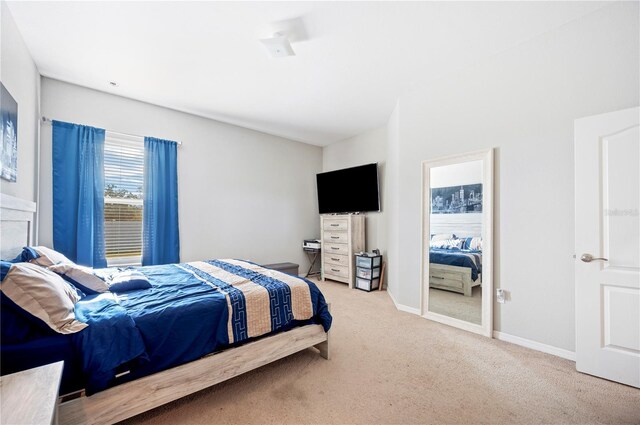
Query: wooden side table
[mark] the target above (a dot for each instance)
(31, 396)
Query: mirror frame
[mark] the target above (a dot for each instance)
(486, 156)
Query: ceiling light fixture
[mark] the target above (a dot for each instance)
(278, 46)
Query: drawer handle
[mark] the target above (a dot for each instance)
(335, 237)
(335, 248)
(335, 225)
(437, 277)
(335, 259)
(335, 270)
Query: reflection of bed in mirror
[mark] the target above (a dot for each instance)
(457, 278)
(455, 252)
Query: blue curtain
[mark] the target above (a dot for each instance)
(160, 233)
(78, 193)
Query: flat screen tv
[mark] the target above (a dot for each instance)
(349, 190)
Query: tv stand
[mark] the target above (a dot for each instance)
(342, 236)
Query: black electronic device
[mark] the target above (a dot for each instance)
(349, 190)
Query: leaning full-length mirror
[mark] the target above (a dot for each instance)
(457, 241)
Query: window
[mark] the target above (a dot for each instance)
(123, 171)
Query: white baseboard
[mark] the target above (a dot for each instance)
(403, 307)
(538, 346)
(523, 342)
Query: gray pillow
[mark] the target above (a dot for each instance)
(43, 294)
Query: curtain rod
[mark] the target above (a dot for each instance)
(49, 121)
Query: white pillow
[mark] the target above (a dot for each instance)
(441, 236)
(447, 243)
(83, 276)
(43, 294)
(49, 257)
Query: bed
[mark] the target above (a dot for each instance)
(455, 264)
(196, 326)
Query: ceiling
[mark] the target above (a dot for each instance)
(353, 60)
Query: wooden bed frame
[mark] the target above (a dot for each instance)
(127, 400)
(135, 397)
(452, 278)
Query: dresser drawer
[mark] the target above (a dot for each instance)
(337, 278)
(336, 270)
(335, 224)
(336, 237)
(335, 248)
(341, 260)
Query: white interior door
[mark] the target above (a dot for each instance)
(607, 268)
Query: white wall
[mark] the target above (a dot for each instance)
(20, 76)
(359, 150)
(242, 193)
(393, 212)
(469, 172)
(523, 102)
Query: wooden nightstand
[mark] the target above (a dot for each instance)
(31, 396)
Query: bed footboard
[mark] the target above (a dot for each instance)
(127, 400)
(451, 278)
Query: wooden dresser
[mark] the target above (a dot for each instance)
(342, 237)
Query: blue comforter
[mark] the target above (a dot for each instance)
(458, 257)
(182, 317)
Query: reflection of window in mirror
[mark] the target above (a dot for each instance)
(455, 247)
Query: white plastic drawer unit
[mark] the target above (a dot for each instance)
(368, 273)
(368, 262)
(366, 284)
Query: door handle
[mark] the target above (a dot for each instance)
(587, 258)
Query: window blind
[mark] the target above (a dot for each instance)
(123, 172)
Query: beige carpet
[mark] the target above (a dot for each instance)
(394, 367)
(456, 305)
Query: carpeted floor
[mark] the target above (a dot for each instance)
(454, 304)
(393, 367)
